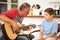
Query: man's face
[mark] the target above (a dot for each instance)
(25, 12)
(47, 16)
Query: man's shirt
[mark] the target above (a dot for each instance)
(13, 14)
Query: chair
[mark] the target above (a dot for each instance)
(58, 37)
(34, 32)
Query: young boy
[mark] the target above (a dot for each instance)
(49, 26)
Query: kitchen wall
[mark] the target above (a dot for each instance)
(36, 21)
(43, 3)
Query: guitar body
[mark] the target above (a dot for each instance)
(8, 32)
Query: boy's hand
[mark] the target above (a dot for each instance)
(46, 37)
(42, 39)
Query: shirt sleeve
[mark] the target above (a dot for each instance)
(55, 27)
(10, 13)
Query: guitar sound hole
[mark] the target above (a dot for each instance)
(12, 28)
(17, 32)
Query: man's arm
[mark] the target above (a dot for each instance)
(29, 27)
(6, 19)
(25, 28)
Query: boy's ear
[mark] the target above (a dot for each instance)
(51, 15)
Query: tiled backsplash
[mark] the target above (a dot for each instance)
(36, 21)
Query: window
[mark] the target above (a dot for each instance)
(14, 1)
(3, 0)
(3, 7)
(14, 6)
(8, 4)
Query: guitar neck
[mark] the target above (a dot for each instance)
(24, 28)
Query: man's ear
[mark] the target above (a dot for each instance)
(28, 10)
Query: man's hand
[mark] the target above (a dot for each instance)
(30, 27)
(12, 22)
(15, 26)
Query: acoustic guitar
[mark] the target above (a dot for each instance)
(9, 33)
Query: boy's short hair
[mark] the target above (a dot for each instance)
(24, 6)
(50, 11)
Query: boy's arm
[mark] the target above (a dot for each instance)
(41, 34)
(50, 35)
(42, 30)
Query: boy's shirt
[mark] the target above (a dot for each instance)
(49, 27)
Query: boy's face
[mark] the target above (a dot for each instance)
(47, 16)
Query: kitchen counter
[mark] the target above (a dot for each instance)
(41, 16)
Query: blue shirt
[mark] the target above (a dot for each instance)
(49, 27)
